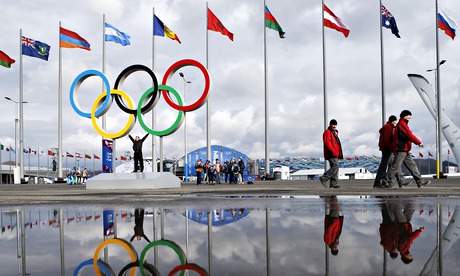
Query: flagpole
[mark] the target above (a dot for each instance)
(438, 99)
(60, 178)
(154, 159)
(21, 110)
(267, 142)
(382, 71)
(324, 78)
(208, 105)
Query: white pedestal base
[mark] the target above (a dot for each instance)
(130, 181)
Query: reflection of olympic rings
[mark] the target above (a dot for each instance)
(147, 102)
(100, 266)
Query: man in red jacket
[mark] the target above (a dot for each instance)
(332, 153)
(387, 132)
(402, 145)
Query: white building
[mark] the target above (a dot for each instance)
(344, 173)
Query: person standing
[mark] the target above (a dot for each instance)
(137, 148)
(402, 145)
(332, 153)
(241, 169)
(387, 134)
(198, 168)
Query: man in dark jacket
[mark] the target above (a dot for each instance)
(402, 145)
(137, 148)
(332, 153)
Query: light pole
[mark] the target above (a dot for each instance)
(16, 122)
(185, 132)
(438, 117)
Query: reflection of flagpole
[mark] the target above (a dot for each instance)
(61, 240)
(267, 146)
(21, 112)
(209, 237)
(382, 71)
(267, 237)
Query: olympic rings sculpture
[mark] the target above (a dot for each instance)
(147, 102)
(98, 265)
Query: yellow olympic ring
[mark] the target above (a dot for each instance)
(126, 245)
(129, 125)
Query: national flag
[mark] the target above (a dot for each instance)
(420, 154)
(374, 157)
(89, 217)
(429, 154)
(348, 158)
(333, 22)
(68, 154)
(447, 24)
(115, 35)
(35, 48)
(161, 29)
(11, 149)
(96, 157)
(356, 157)
(448, 151)
(411, 155)
(25, 151)
(51, 153)
(5, 60)
(69, 39)
(122, 157)
(87, 156)
(32, 151)
(78, 155)
(389, 22)
(272, 23)
(214, 24)
(1, 147)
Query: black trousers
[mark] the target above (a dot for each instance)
(138, 161)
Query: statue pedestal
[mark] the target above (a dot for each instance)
(130, 181)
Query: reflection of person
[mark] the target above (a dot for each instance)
(139, 225)
(405, 236)
(388, 230)
(402, 145)
(333, 223)
(137, 148)
(332, 153)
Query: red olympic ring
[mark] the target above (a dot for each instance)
(173, 69)
(189, 266)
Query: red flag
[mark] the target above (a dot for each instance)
(122, 158)
(69, 154)
(214, 24)
(420, 154)
(96, 157)
(51, 153)
(78, 155)
(348, 158)
(333, 22)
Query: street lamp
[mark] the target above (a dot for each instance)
(185, 132)
(16, 122)
(438, 117)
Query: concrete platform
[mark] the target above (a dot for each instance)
(133, 181)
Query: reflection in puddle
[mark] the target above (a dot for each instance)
(236, 236)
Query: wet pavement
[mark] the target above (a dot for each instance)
(31, 194)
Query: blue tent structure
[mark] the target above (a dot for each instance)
(219, 217)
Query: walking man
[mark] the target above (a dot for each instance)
(402, 145)
(387, 135)
(332, 153)
(137, 148)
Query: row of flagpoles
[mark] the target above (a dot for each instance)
(70, 39)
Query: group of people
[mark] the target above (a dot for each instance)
(395, 142)
(77, 176)
(231, 172)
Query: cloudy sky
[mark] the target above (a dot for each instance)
(236, 100)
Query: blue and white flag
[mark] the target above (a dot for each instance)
(115, 35)
(389, 22)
